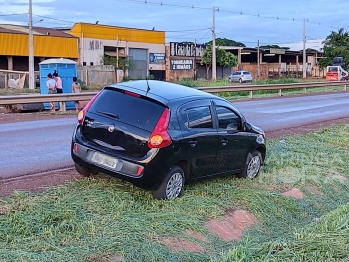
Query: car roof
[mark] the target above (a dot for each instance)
(161, 91)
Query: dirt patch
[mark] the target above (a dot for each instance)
(180, 244)
(340, 177)
(38, 182)
(313, 190)
(196, 235)
(20, 117)
(294, 192)
(231, 225)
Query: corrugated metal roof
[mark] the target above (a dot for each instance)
(19, 29)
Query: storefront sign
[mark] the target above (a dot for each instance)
(157, 58)
(187, 49)
(181, 64)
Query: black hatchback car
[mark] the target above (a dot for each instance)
(159, 136)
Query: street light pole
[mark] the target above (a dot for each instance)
(31, 48)
(214, 68)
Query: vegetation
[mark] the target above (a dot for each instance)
(226, 42)
(223, 58)
(102, 218)
(336, 44)
(273, 46)
(124, 64)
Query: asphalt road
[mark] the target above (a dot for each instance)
(39, 146)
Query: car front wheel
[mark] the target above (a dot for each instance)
(172, 186)
(240, 80)
(253, 165)
(82, 170)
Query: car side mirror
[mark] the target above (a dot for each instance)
(233, 126)
(248, 127)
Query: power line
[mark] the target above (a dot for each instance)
(221, 10)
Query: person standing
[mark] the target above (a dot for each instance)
(51, 86)
(76, 88)
(59, 87)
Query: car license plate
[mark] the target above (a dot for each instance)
(104, 160)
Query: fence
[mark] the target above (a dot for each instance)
(97, 75)
(37, 98)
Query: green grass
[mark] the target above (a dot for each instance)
(101, 217)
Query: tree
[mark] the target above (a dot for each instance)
(226, 42)
(124, 63)
(336, 44)
(223, 58)
(273, 46)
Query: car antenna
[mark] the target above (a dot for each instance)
(148, 87)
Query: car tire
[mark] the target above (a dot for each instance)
(240, 80)
(82, 170)
(172, 186)
(253, 165)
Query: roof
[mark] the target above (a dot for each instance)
(57, 61)
(162, 91)
(20, 29)
(115, 26)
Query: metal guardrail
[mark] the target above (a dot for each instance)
(39, 98)
(279, 87)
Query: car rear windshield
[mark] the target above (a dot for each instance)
(247, 73)
(129, 109)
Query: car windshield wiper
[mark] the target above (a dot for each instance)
(109, 114)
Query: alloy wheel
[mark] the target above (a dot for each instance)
(174, 186)
(253, 167)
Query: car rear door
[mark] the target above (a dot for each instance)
(233, 145)
(200, 140)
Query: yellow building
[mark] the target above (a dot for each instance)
(146, 48)
(48, 43)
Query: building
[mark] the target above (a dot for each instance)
(146, 48)
(48, 43)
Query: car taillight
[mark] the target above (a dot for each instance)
(160, 137)
(83, 112)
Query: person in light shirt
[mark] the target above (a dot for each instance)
(59, 87)
(51, 86)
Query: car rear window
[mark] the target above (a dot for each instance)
(247, 73)
(129, 109)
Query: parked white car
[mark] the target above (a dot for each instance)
(240, 76)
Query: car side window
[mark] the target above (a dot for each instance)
(197, 117)
(227, 118)
(236, 73)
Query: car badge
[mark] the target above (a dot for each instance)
(111, 128)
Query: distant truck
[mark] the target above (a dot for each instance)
(337, 71)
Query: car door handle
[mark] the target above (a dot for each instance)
(193, 143)
(224, 141)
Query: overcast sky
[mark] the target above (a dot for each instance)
(269, 21)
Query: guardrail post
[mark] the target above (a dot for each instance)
(64, 107)
(304, 90)
(251, 94)
(345, 87)
(280, 92)
(326, 88)
(216, 94)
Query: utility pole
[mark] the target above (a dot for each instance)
(214, 67)
(304, 52)
(31, 48)
(258, 62)
(195, 60)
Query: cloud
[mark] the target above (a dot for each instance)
(314, 44)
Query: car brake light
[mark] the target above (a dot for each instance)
(83, 112)
(132, 94)
(159, 137)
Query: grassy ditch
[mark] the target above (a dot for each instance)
(104, 218)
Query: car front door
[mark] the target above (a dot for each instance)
(233, 142)
(200, 139)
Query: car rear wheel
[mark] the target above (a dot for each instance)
(172, 186)
(82, 170)
(253, 165)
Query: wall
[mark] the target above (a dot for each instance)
(97, 75)
(44, 46)
(176, 75)
(264, 70)
(92, 50)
